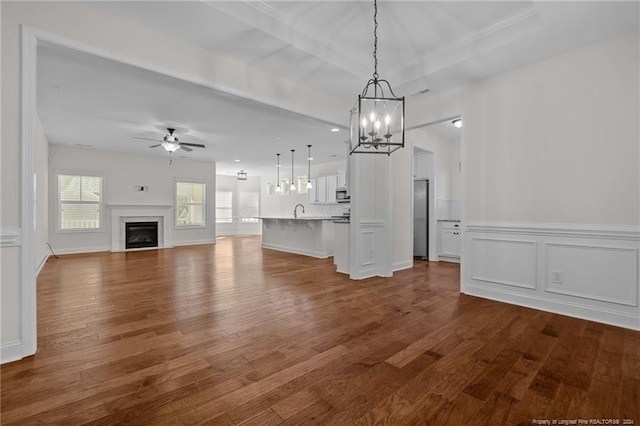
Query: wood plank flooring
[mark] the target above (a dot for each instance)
(232, 334)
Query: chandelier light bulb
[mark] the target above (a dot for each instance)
(377, 125)
(364, 122)
(372, 117)
(387, 119)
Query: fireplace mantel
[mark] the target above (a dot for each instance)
(122, 213)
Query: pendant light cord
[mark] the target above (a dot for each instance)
(375, 39)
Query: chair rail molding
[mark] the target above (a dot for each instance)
(10, 237)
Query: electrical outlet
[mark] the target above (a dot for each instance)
(557, 277)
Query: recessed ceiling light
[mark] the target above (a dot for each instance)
(237, 161)
(335, 129)
(457, 123)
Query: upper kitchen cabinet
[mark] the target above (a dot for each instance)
(331, 185)
(324, 188)
(342, 178)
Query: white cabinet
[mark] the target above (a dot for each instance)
(342, 179)
(324, 189)
(341, 247)
(450, 246)
(331, 185)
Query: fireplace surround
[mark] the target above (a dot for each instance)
(121, 214)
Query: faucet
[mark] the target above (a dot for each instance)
(295, 210)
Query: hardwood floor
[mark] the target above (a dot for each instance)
(232, 334)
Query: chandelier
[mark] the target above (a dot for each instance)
(377, 119)
(242, 175)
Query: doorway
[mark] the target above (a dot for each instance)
(421, 219)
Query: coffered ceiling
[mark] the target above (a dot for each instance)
(423, 46)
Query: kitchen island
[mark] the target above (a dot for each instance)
(306, 235)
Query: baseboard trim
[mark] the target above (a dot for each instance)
(10, 352)
(193, 243)
(404, 264)
(42, 263)
(81, 250)
(606, 316)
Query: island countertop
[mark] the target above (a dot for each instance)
(295, 218)
(306, 235)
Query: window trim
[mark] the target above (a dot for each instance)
(101, 204)
(175, 203)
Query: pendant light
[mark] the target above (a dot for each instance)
(242, 175)
(293, 185)
(278, 189)
(309, 185)
(368, 133)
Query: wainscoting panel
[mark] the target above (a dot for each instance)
(367, 255)
(504, 261)
(586, 271)
(594, 272)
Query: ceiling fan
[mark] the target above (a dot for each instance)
(171, 143)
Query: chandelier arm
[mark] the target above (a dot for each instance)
(389, 86)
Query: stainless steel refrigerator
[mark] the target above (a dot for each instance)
(421, 218)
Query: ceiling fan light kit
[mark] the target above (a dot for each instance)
(171, 143)
(377, 120)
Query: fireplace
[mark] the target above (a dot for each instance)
(141, 234)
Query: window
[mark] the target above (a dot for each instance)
(249, 206)
(302, 185)
(80, 202)
(224, 204)
(190, 199)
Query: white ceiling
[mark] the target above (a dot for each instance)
(422, 45)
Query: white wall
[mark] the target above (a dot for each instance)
(235, 186)
(283, 205)
(556, 141)
(42, 196)
(551, 160)
(121, 172)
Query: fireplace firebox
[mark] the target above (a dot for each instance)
(141, 234)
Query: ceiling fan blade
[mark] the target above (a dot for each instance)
(197, 145)
(155, 146)
(146, 139)
(185, 148)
